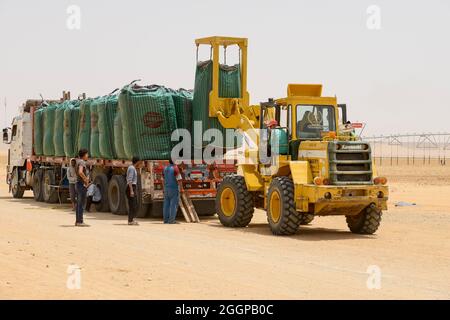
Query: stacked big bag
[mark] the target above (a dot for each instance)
(136, 121)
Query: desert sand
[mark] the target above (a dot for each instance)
(38, 244)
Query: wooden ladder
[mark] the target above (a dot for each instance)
(187, 208)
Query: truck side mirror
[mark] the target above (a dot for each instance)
(6, 136)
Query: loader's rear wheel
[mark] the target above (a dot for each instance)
(281, 214)
(367, 222)
(116, 195)
(49, 192)
(101, 181)
(306, 218)
(37, 186)
(16, 189)
(234, 203)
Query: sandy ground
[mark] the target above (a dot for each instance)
(206, 261)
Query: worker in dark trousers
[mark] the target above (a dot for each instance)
(132, 180)
(172, 187)
(82, 184)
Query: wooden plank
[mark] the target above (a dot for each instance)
(189, 207)
(183, 210)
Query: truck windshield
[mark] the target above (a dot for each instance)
(314, 121)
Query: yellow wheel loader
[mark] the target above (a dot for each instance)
(305, 165)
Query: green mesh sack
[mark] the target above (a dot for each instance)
(118, 137)
(148, 120)
(71, 123)
(48, 129)
(84, 127)
(229, 87)
(58, 130)
(38, 134)
(94, 148)
(182, 100)
(107, 110)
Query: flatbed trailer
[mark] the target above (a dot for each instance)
(46, 175)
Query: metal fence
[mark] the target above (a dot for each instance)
(410, 149)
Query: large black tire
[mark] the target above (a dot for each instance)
(306, 218)
(281, 213)
(367, 222)
(101, 181)
(234, 203)
(142, 208)
(49, 194)
(156, 209)
(205, 207)
(38, 192)
(16, 190)
(116, 195)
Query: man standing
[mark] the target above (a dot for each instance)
(132, 179)
(72, 177)
(172, 187)
(82, 183)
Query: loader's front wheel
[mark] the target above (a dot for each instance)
(281, 214)
(306, 218)
(234, 203)
(366, 222)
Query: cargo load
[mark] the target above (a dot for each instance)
(58, 129)
(118, 136)
(94, 146)
(182, 100)
(148, 119)
(229, 87)
(106, 111)
(38, 134)
(48, 129)
(71, 125)
(84, 127)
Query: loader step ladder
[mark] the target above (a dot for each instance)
(188, 209)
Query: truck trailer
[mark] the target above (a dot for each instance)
(46, 175)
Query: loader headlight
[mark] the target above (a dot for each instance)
(327, 195)
(380, 180)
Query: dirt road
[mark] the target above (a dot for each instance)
(38, 243)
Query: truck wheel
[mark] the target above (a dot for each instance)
(306, 218)
(281, 213)
(234, 203)
(142, 208)
(49, 194)
(366, 222)
(37, 186)
(205, 207)
(16, 189)
(116, 195)
(101, 181)
(156, 209)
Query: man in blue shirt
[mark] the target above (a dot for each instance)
(172, 187)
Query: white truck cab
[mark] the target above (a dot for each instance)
(20, 139)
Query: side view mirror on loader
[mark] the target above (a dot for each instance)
(6, 135)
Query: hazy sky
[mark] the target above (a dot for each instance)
(396, 79)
